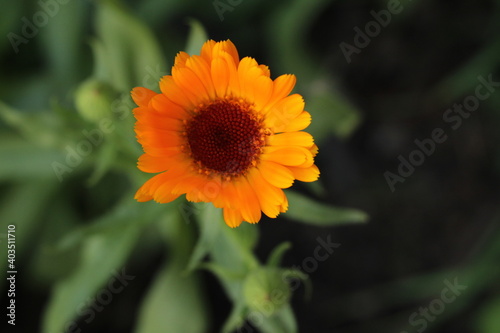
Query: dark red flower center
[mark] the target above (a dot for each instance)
(225, 137)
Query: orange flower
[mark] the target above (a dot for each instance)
(223, 131)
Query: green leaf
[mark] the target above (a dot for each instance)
(464, 79)
(40, 127)
(61, 42)
(174, 303)
(488, 319)
(101, 70)
(223, 273)
(288, 33)
(304, 209)
(278, 252)
(105, 158)
(237, 317)
(210, 228)
(22, 206)
(133, 55)
(102, 258)
(281, 322)
(127, 211)
(332, 114)
(106, 244)
(197, 36)
(22, 160)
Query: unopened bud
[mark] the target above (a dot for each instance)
(93, 99)
(265, 290)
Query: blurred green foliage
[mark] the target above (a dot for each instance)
(68, 130)
(68, 173)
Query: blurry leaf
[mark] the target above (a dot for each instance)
(102, 258)
(209, 224)
(101, 69)
(11, 12)
(488, 320)
(278, 252)
(22, 206)
(40, 127)
(127, 212)
(304, 209)
(331, 114)
(159, 12)
(105, 158)
(62, 43)
(174, 303)
(288, 29)
(47, 263)
(281, 322)
(23, 160)
(236, 318)
(133, 55)
(197, 36)
(233, 247)
(464, 79)
(222, 272)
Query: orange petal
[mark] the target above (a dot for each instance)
(142, 96)
(180, 59)
(177, 95)
(202, 69)
(302, 139)
(226, 47)
(282, 86)
(206, 50)
(248, 201)
(276, 174)
(220, 76)
(155, 164)
(232, 217)
(284, 205)
(262, 87)
(293, 156)
(265, 70)
(199, 187)
(309, 174)
(147, 191)
(188, 81)
(245, 67)
(155, 120)
(299, 123)
(165, 106)
(270, 197)
(284, 112)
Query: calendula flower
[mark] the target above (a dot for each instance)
(223, 131)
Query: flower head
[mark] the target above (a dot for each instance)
(223, 131)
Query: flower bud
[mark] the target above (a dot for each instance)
(93, 99)
(266, 290)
